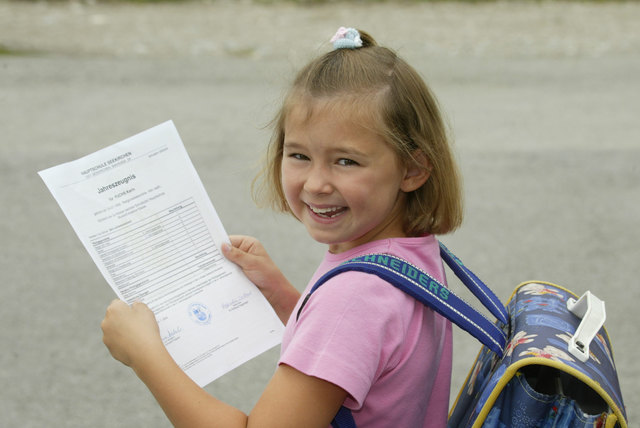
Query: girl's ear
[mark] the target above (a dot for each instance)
(417, 173)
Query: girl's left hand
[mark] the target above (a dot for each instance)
(249, 254)
(131, 333)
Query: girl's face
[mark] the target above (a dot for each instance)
(342, 181)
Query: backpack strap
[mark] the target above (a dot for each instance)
(475, 285)
(423, 287)
(343, 419)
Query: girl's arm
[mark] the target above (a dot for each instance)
(291, 399)
(250, 255)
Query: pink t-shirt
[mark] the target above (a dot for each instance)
(388, 351)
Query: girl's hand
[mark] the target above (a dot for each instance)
(131, 333)
(250, 255)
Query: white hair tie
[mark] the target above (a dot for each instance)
(346, 38)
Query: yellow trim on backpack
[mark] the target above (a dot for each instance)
(611, 421)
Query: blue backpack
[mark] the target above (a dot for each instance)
(541, 338)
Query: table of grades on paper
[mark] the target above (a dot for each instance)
(151, 256)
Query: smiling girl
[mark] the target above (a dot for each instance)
(360, 156)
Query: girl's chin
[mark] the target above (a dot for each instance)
(337, 243)
(325, 238)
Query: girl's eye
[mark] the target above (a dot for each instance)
(298, 156)
(347, 162)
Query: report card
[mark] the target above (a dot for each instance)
(143, 215)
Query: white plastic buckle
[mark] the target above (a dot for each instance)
(591, 310)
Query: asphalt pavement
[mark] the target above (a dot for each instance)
(542, 99)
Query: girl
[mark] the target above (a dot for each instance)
(360, 157)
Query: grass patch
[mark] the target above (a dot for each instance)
(7, 51)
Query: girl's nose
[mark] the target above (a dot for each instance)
(318, 181)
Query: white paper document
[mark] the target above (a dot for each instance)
(144, 216)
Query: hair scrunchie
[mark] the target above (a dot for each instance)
(346, 38)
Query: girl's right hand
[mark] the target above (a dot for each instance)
(249, 254)
(131, 333)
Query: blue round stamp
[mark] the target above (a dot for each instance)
(199, 313)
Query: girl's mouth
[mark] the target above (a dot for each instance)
(328, 212)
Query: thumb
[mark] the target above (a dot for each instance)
(227, 250)
(233, 254)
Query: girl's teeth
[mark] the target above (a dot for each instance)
(324, 210)
(327, 212)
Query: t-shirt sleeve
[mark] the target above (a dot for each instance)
(350, 331)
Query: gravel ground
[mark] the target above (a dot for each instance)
(195, 29)
(542, 98)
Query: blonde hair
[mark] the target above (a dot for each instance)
(387, 95)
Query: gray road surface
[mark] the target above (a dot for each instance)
(542, 99)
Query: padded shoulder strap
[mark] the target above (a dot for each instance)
(422, 286)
